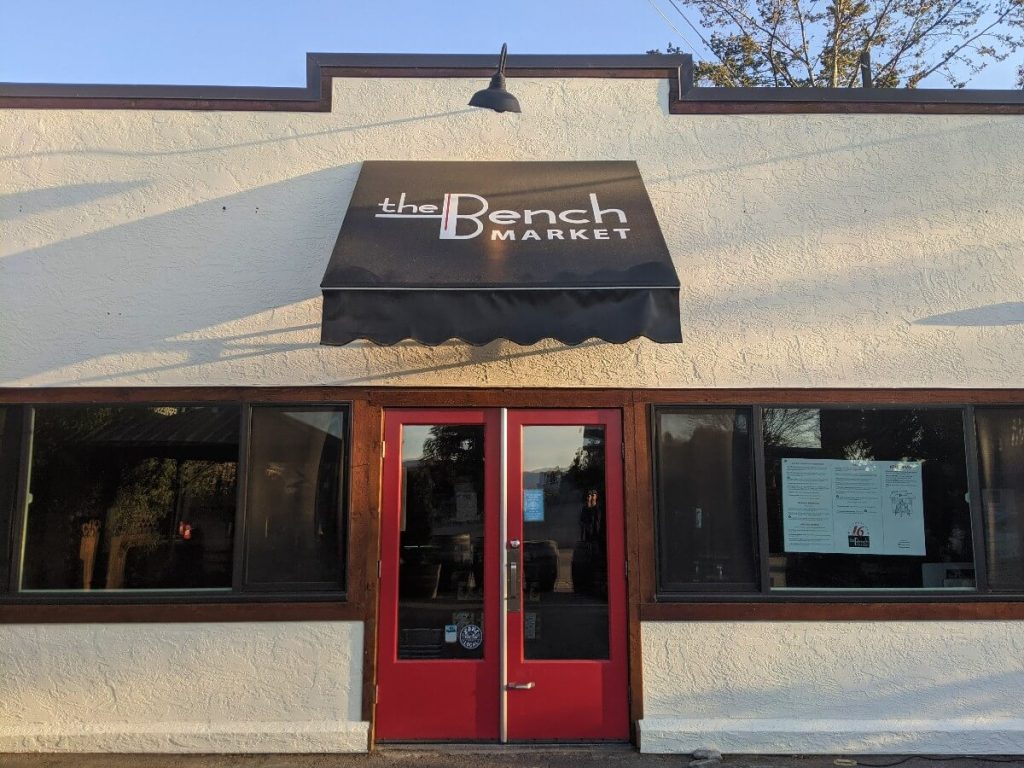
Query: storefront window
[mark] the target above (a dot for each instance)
(705, 504)
(867, 499)
(295, 498)
(1001, 456)
(131, 498)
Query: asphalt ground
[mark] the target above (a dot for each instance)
(503, 757)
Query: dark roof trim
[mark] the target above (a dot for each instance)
(684, 97)
(694, 100)
(320, 69)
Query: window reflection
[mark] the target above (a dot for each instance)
(565, 560)
(705, 509)
(1001, 455)
(294, 500)
(441, 555)
(131, 498)
(10, 459)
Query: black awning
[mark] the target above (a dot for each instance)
(500, 250)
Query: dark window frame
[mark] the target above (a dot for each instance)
(14, 528)
(759, 514)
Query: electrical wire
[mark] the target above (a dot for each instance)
(675, 29)
(732, 75)
(728, 69)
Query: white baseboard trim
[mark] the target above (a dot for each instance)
(193, 737)
(991, 736)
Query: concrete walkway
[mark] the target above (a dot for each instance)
(483, 757)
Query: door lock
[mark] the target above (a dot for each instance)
(513, 590)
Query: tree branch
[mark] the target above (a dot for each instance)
(913, 39)
(731, 13)
(803, 42)
(951, 54)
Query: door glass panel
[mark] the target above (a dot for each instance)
(441, 549)
(565, 561)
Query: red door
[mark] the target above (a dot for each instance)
(502, 577)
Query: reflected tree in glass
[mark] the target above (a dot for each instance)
(131, 498)
(441, 557)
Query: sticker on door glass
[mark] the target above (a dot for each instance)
(531, 625)
(533, 505)
(467, 508)
(470, 637)
(451, 632)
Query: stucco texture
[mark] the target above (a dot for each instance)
(833, 687)
(234, 687)
(186, 248)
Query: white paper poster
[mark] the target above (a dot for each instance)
(852, 507)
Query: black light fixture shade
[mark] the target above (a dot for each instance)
(495, 96)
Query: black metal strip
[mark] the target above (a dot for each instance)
(17, 547)
(882, 96)
(238, 557)
(760, 498)
(979, 543)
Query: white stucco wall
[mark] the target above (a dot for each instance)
(833, 687)
(186, 248)
(224, 687)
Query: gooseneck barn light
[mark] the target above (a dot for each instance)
(495, 96)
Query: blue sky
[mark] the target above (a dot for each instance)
(261, 42)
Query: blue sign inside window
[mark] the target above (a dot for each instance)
(533, 505)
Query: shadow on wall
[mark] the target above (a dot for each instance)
(217, 148)
(135, 286)
(18, 204)
(157, 285)
(231, 348)
(1005, 313)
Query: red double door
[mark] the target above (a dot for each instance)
(502, 614)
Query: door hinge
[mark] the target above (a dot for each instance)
(622, 449)
(376, 693)
(383, 449)
(625, 568)
(378, 570)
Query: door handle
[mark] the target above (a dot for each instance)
(512, 581)
(520, 686)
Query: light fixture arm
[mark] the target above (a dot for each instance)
(502, 58)
(498, 78)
